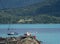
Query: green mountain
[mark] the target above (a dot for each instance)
(44, 12)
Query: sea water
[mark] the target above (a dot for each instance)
(46, 38)
(49, 38)
(48, 34)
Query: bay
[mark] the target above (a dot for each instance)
(47, 33)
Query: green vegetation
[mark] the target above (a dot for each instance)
(38, 19)
(44, 12)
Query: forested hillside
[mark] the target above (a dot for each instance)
(44, 12)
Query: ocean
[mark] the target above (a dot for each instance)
(47, 33)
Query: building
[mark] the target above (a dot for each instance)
(25, 21)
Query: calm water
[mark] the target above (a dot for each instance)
(47, 33)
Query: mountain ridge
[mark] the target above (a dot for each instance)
(48, 11)
(16, 3)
